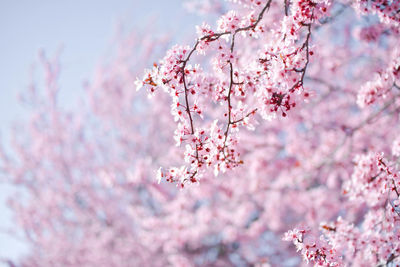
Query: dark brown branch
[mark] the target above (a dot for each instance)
(185, 86)
(229, 94)
(286, 3)
(247, 115)
(304, 69)
(210, 38)
(213, 37)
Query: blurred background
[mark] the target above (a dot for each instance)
(83, 32)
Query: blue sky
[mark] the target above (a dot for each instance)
(84, 29)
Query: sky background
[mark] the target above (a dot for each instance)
(84, 29)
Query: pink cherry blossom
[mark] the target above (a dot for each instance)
(272, 139)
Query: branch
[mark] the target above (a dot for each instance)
(211, 38)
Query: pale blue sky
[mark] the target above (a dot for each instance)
(84, 28)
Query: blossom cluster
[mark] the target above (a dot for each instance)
(271, 86)
(314, 250)
(382, 84)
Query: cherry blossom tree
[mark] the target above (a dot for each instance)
(280, 122)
